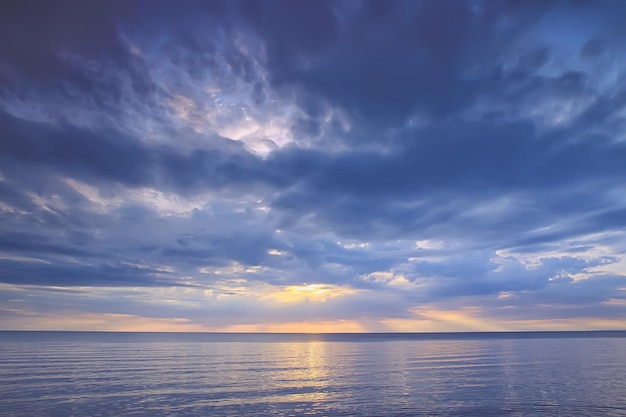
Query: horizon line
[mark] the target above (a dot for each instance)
(319, 333)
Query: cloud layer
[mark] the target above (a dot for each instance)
(348, 166)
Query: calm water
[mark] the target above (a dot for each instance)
(125, 374)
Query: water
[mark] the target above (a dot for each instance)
(156, 374)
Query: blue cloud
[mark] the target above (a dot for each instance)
(415, 153)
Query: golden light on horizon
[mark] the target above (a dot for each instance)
(309, 292)
(324, 326)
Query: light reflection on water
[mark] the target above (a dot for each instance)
(448, 377)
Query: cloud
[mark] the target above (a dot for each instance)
(367, 165)
(383, 62)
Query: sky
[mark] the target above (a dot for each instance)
(312, 166)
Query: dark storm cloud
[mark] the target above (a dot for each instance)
(107, 274)
(443, 169)
(115, 156)
(382, 61)
(385, 62)
(59, 48)
(74, 151)
(245, 247)
(35, 35)
(29, 243)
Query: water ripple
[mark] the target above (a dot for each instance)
(491, 377)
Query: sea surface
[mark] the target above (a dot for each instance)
(167, 374)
